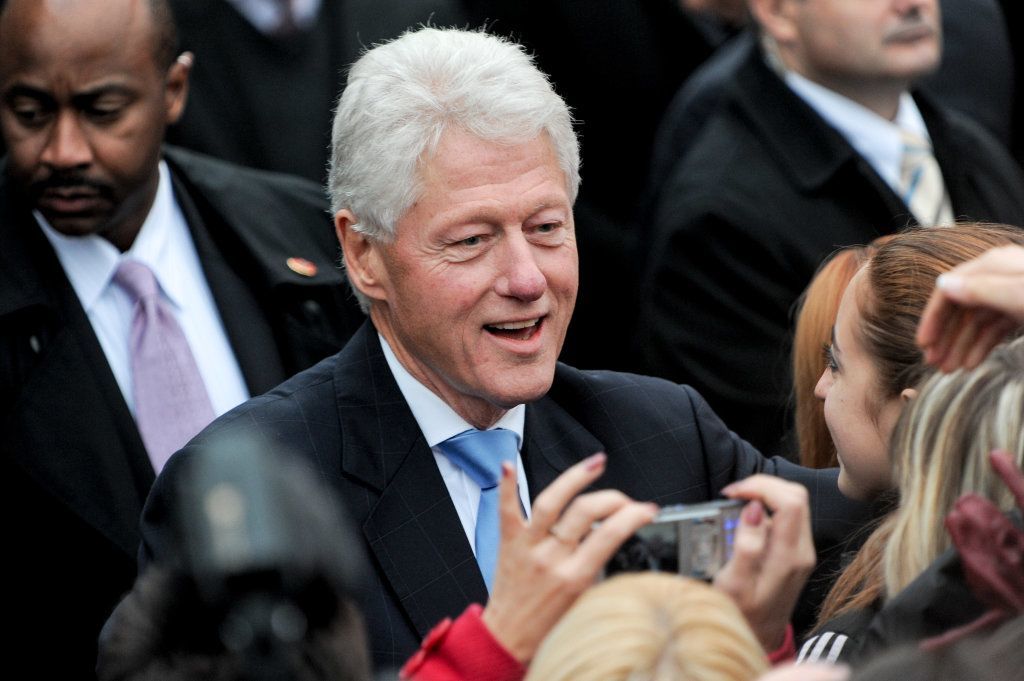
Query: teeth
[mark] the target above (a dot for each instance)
(513, 326)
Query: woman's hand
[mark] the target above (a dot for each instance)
(544, 564)
(973, 308)
(772, 556)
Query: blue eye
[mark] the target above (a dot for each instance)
(471, 241)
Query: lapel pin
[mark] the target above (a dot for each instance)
(301, 266)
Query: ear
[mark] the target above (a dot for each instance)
(777, 19)
(908, 395)
(363, 264)
(176, 87)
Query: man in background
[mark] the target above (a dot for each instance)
(143, 291)
(818, 143)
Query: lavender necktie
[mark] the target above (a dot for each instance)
(171, 403)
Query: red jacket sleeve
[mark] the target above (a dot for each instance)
(463, 650)
(786, 651)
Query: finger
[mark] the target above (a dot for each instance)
(509, 512)
(956, 325)
(991, 335)
(587, 509)
(1007, 469)
(599, 545)
(791, 520)
(994, 284)
(947, 332)
(1004, 293)
(934, 319)
(748, 550)
(775, 492)
(970, 327)
(549, 503)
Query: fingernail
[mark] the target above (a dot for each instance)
(506, 469)
(595, 461)
(753, 513)
(727, 490)
(950, 283)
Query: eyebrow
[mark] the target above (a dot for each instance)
(22, 90)
(487, 215)
(102, 91)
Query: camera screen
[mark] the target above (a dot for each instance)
(692, 540)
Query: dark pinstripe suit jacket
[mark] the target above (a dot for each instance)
(347, 417)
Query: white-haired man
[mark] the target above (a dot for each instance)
(454, 172)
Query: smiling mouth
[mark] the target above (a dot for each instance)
(520, 331)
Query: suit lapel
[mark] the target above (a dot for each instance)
(70, 427)
(966, 194)
(249, 332)
(553, 441)
(813, 155)
(413, 530)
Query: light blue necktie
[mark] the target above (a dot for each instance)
(479, 454)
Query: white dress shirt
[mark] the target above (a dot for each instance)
(165, 245)
(266, 15)
(438, 422)
(872, 136)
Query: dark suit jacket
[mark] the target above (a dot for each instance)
(347, 417)
(767, 191)
(268, 102)
(74, 470)
(975, 78)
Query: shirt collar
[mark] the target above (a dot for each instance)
(436, 419)
(872, 136)
(90, 261)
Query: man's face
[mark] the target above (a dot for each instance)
(476, 291)
(83, 108)
(853, 44)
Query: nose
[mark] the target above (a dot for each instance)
(67, 146)
(521, 277)
(823, 384)
(910, 6)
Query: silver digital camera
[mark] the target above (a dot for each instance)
(693, 540)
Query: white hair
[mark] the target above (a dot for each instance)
(403, 95)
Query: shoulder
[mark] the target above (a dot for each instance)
(285, 411)
(624, 410)
(837, 639)
(619, 390)
(273, 216)
(213, 177)
(960, 133)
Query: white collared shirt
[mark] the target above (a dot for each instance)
(165, 245)
(265, 15)
(438, 422)
(872, 136)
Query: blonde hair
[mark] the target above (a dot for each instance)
(940, 451)
(650, 627)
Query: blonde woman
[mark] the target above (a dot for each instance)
(939, 450)
(651, 627)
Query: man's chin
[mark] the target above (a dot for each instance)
(75, 225)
